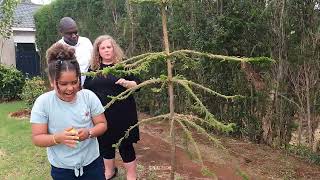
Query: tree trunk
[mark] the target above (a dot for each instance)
(1, 49)
(132, 45)
(300, 130)
(170, 90)
(308, 115)
(279, 119)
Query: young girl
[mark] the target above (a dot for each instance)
(67, 120)
(122, 114)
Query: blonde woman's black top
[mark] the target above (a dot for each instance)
(121, 114)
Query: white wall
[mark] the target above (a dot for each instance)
(7, 47)
(24, 36)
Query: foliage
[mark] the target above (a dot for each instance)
(288, 32)
(32, 89)
(11, 83)
(242, 29)
(6, 19)
(93, 17)
(223, 76)
(305, 153)
(139, 32)
(294, 44)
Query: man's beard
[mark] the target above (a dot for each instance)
(70, 42)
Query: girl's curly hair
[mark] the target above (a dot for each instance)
(60, 58)
(59, 51)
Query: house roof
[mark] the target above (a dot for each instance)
(23, 17)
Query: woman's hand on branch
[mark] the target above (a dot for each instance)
(126, 84)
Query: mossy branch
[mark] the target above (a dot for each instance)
(187, 82)
(188, 120)
(142, 58)
(157, 90)
(146, 1)
(129, 91)
(290, 101)
(124, 69)
(157, 2)
(208, 116)
(196, 118)
(143, 65)
(220, 57)
(160, 117)
(204, 170)
(190, 137)
(116, 70)
(143, 61)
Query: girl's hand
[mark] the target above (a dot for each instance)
(83, 134)
(68, 137)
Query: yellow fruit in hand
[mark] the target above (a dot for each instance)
(74, 131)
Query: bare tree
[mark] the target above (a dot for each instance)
(305, 83)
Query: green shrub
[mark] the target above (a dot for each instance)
(305, 153)
(11, 83)
(32, 89)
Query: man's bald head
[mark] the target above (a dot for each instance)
(66, 23)
(69, 30)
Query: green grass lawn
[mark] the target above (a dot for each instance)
(19, 158)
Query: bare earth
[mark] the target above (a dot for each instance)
(256, 161)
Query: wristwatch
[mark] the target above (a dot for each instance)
(90, 134)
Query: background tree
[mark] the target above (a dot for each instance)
(287, 31)
(6, 20)
(304, 66)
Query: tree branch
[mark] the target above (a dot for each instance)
(187, 82)
(129, 91)
(164, 116)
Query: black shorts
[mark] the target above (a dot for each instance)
(126, 151)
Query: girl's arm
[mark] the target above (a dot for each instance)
(41, 138)
(100, 126)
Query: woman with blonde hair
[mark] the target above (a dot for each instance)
(117, 53)
(122, 114)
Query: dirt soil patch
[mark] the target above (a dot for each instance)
(256, 161)
(21, 114)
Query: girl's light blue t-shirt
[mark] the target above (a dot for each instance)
(59, 115)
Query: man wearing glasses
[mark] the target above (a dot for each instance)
(83, 46)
